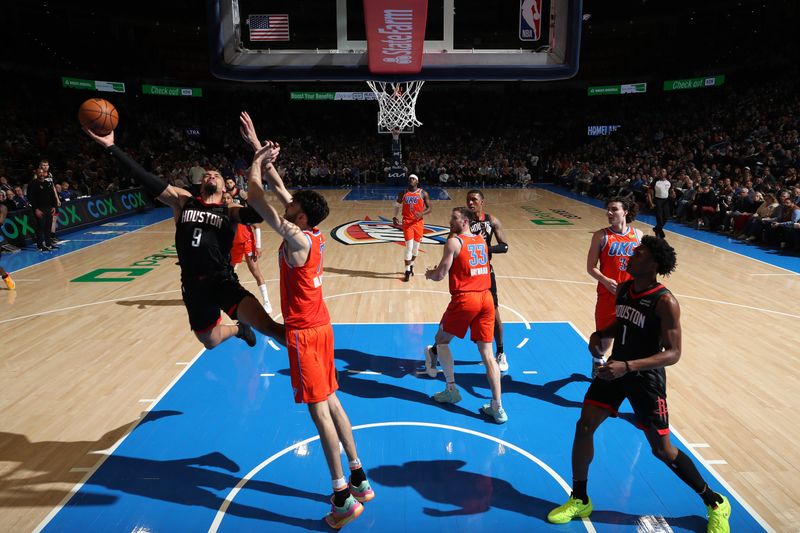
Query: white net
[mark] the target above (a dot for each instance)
(397, 103)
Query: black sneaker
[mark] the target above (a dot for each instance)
(412, 270)
(407, 275)
(45, 248)
(246, 334)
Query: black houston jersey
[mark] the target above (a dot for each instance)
(483, 228)
(203, 237)
(638, 328)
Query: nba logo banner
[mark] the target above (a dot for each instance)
(530, 20)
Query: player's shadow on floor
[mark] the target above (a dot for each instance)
(362, 273)
(144, 304)
(444, 482)
(188, 481)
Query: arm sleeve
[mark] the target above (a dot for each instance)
(248, 215)
(152, 183)
(499, 248)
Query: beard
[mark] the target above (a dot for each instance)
(210, 187)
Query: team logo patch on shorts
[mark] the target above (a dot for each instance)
(369, 231)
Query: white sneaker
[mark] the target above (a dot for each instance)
(502, 362)
(268, 307)
(430, 362)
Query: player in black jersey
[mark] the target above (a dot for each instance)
(204, 232)
(489, 227)
(647, 338)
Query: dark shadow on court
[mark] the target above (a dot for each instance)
(187, 481)
(144, 304)
(363, 273)
(444, 482)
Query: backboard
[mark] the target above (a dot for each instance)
(308, 40)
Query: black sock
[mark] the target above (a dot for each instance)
(434, 351)
(357, 476)
(710, 497)
(340, 496)
(579, 490)
(500, 348)
(685, 469)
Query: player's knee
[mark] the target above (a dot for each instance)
(584, 427)
(663, 454)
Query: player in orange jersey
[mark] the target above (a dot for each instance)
(466, 261)
(5, 275)
(309, 335)
(415, 205)
(612, 247)
(247, 247)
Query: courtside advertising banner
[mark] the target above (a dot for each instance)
(20, 224)
(395, 35)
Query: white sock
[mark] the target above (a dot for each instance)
(339, 484)
(355, 464)
(408, 268)
(446, 360)
(496, 405)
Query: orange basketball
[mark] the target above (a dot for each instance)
(98, 115)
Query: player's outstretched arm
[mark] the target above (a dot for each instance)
(294, 237)
(248, 130)
(451, 249)
(171, 196)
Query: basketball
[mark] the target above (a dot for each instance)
(99, 115)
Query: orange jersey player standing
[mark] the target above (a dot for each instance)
(607, 260)
(466, 261)
(415, 204)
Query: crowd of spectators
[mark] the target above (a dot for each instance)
(729, 153)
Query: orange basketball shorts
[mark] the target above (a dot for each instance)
(413, 231)
(311, 363)
(605, 311)
(473, 311)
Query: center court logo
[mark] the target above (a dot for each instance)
(369, 231)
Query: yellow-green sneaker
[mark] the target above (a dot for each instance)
(718, 517)
(574, 508)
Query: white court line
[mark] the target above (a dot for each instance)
(530, 371)
(699, 298)
(147, 400)
(523, 343)
(698, 445)
(272, 343)
(242, 482)
(59, 256)
(714, 462)
(181, 363)
(709, 467)
(107, 453)
(267, 375)
(366, 372)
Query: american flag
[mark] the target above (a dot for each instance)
(269, 27)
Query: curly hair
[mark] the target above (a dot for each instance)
(313, 205)
(663, 254)
(628, 205)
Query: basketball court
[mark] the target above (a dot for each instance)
(114, 417)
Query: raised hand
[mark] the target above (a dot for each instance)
(102, 140)
(248, 130)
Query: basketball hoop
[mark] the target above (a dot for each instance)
(397, 103)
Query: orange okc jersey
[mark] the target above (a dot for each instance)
(301, 286)
(413, 203)
(614, 255)
(470, 269)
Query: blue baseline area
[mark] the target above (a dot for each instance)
(768, 255)
(84, 237)
(390, 193)
(434, 468)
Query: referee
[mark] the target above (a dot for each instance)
(660, 201)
